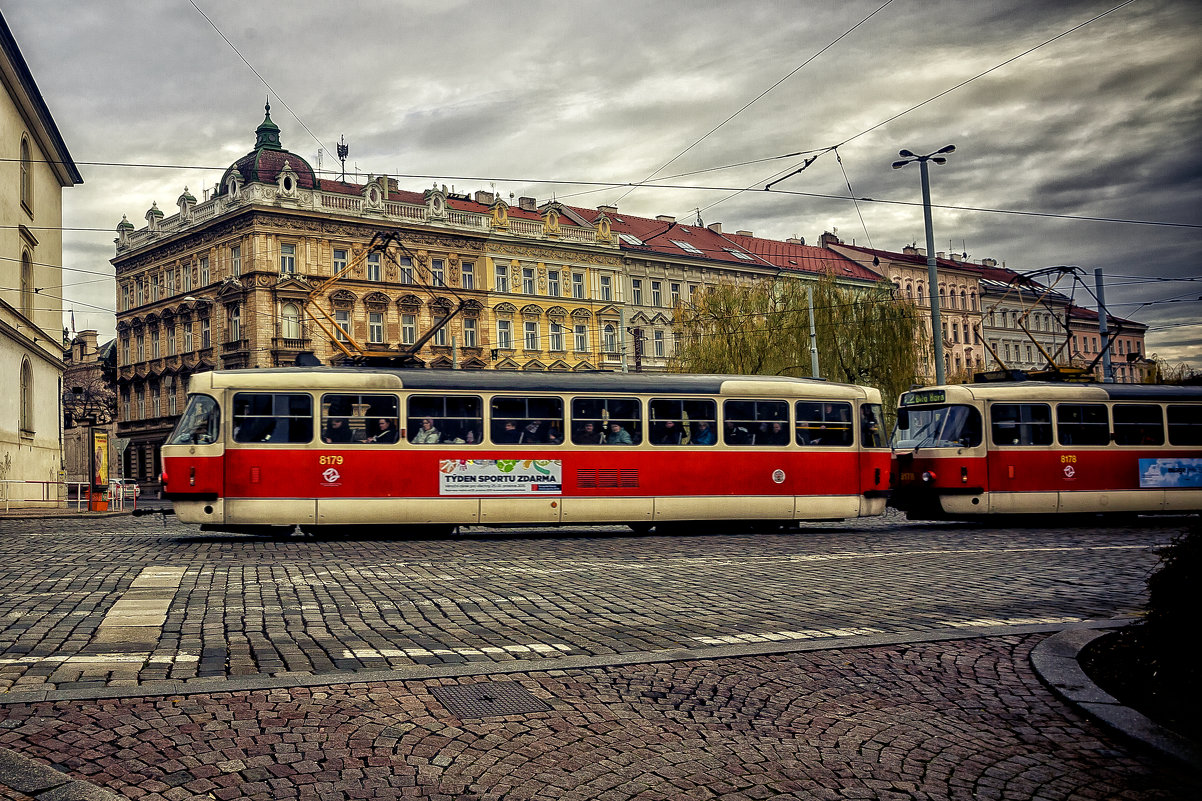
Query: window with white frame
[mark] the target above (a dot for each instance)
(188, 337)
(170, 283)
(531, 328)
(636, 291)
(290, 323)
(206, 333)
(155, 403)
(578, 286)
(235, 261)
(185, 279)
(141, 348)
(504, 334)
(607, 290)
(501, 277)
(580, 334)
(467, 275)
(438, 272)
(125, 351)
(553, 288)
(375, 327)
(154, 343)
(340, 256)
(658, 342)
(408, 329)
(674, 292)
(141, 396)
(206, 277)
(234, 324)
(610, 338)
(469, 332)
(27, 398)
(440, 330)
(406, 265)
(373, 267)
(169, 389)
(171, 340)
(287, 259)
(139, 292)
(656, 294)
(527, 281)
(342, 320)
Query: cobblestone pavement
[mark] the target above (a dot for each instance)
(161, 662)
(959, 720)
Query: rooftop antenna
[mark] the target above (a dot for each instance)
(319, 154)
(699, 223)
(343, 151)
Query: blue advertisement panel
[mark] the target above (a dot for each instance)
(1166, 472)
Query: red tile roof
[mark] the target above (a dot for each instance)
(797, 257)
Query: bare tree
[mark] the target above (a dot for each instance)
(89, 398)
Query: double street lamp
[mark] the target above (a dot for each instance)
(932, 270)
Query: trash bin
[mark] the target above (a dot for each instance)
(98, 502)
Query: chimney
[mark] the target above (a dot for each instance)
(484, 198)
(744, 233)
(910, 250)
(608, 209)
(989, 262)
(527, 204)
(664, 218)
(939, 254)
(828, 239)
(715, 227)
(795, 241)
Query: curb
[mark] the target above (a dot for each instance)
(44, 783)
(1055, 661)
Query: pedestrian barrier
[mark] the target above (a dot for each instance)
(77, 495)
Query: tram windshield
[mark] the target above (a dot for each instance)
(938, 427)
(199, 424)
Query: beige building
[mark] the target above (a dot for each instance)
(36, 167)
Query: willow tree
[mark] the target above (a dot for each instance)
(865, 335)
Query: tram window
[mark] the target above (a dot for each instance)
(351, 418)
(445, 420)
(1138, 424)
(938, 427)
(822, 425)
(872, 427)
(199, 424)
(527, 420)
(748, 422)
(1021, 423)
(1185, 425)
(683, 422)
(272, 417)
(619, 420)
(1082, 424)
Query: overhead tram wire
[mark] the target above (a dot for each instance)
(755, 99)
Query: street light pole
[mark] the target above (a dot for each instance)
(932, 265)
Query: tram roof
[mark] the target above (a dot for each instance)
(1056, 390)
(383, 378)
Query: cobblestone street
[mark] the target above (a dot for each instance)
(881, 661)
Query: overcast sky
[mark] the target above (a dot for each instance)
(1102, 122)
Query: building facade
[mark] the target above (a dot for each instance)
(36, 167)
(89, 404)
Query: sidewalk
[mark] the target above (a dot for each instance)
(959, 718)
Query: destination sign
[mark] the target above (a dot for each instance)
(924, 396)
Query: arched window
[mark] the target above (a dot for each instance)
(26, 176)
(26, 397)
(963, 299)
(610, 339)
(26, 284)
(909, 292)
(290, 321)
(920, 295)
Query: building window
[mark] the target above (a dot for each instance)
(527, 281)
(141, 395)
(375, 327)
(531, 328)
(606, 288)
(342, 319)
(408, 329)
(955, 332)
(920, 299)
(406, 269)
(187, 337)
(171, 409)
(171, 340)
(340, 260)
(636, 291)
(581, 336)
(440, 330)
(658, 341)
(235, 263)
(205, 333)
(656, 296)
(156, 409)
(234, 324)
(467, 275)
(185, 281)
(674, 291)
(26, 177)
(154, 344)
(27, 284)
(553, 283)
(373, 267)
(502, 277)
(438, 272)
(469, 332)
(26, 396)
(141, 348)
(290, 327)
(205, 277)
(610, 339)
(171, 283)
(504, 334)
(139, 292)
(578, 286)
(287, 259)
(556, 337)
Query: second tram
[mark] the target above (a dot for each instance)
(1037, 448)
(348, 446)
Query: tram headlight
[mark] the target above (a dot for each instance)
(928, 477)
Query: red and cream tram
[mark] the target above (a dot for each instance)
(1027, 447)
(352, 446)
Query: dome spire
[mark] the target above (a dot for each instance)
(267, 135)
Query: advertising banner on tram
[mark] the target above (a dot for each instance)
(500, 477)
